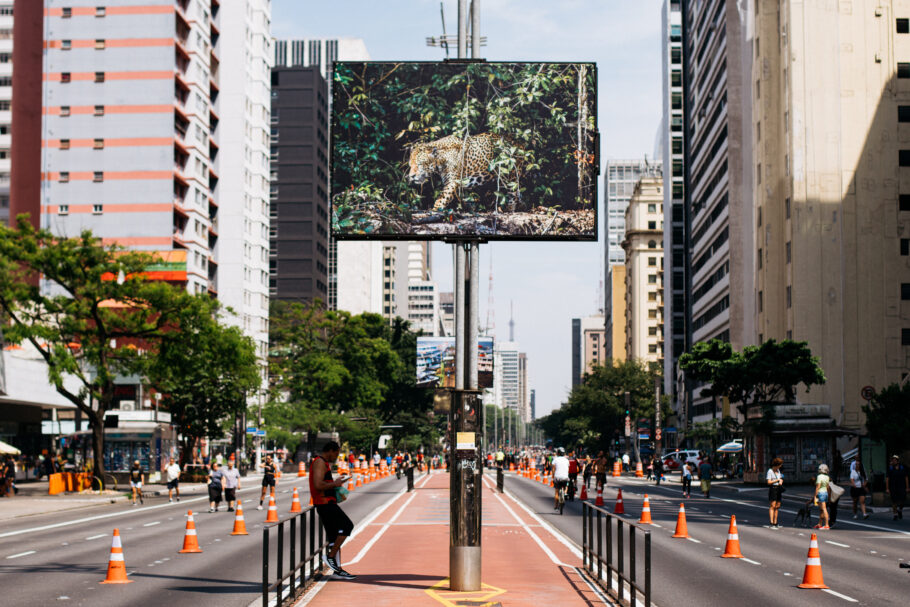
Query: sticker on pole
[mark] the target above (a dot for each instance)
(464, 441)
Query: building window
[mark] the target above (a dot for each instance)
(787, 207)
(98, 176)
(64, 144)
(789, 296)
(905, 291)
(904, 202)
(652, 244)
(652, 208)
(905, 246)
(903, 70)
(652, 261)
(905, 337)
(903, 113)
(652, 349)
(100, 11)
(788, 251)
(99, 144)
(99, 44)
(652, 313)
(67, 12)
(65, 77)
(760, 301)
(652, 225)
(99, 110)
(66, 44)
(99, 76)
(97, 209)
(903, 26)
(759, 259)
(758, 172)
(64, 177)
(652, 279)
(789, 334)
(759, 216)
(652, 330)
(904, 158)
(63, 209)
(652, 296)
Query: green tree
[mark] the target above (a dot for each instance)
(888, 417)
(93, 317)
(204, 372)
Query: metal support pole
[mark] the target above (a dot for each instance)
(462, 29)
(459, 315)
(473, 304)
(475, 29)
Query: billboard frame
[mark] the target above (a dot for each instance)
(466, 238)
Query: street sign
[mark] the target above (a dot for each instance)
(657, 434)
(868, 392)
(628, 426)
(251, 430)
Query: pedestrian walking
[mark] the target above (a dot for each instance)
(822, 480)
(600, 471)
(8, 477)
(587, 471)
(704, 474)
(216, 485)
(858, 485)
(172, 473)
(775, 480)
(268, 478)
(337, 525)
(231, 477)
(626, 462)
(658, 465)
(136, 479)
(686, 472)
(897, 484)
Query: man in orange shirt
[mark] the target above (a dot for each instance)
(337, 525)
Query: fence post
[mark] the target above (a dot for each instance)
(280, 559)
(321, 544)
(600, 553)
(409, 474)
(293, 560)
(265, 565)
(632, 563)
(313, 544)
(619, 555)
(610, 551)
(584, 535)
(304, 559)
(500, 480)
(647, 569)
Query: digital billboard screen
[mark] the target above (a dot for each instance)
(436, 362)
(498, 151)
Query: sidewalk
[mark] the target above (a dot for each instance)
(401, 557)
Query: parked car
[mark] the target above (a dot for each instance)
(673, 460)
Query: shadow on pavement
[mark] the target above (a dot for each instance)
(397, 581)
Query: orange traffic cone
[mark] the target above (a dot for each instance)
(731, 550)
(617, 469)
(116, 568)
(812, 576)
(295, 502)
(600, 497)
(359, 483)
(272, 515)
(239, 524)
(584, 493)
(646, 512)
(681, 529)
(619, 508)
(551, 482)
(301, 470)
(190, 542)
(639, 472)
(350, 486)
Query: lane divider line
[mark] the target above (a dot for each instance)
(95, 537)
(750, 561)
(840, 596)
(152, 524)
(836, 544)
(15, 556)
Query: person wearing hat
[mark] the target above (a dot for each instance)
(560, 474)
(897, 484)
(136, 479)
(821, 496)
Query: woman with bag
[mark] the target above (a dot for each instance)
(821, 496)
(775, 490)
(858, 484)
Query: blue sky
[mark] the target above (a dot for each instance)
(547, 283)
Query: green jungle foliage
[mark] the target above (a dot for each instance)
(382, 109)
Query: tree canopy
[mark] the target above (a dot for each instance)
(888, 417)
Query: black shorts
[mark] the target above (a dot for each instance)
(268, 481)
(230, 494)
(774, 493)
(334, 521)
(173, 484)
(214, 494)
(857, 492)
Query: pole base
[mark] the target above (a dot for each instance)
(464, 568)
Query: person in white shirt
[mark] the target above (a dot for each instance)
(625, 462)
(775, 481)
(173, 480)
(858, 484)
(560, 474)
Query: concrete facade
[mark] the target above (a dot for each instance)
(831, 123)
(620, 177)
(593, 342)
(644, 289)
(6, 97)
(615, 324)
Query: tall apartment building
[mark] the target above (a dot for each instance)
(533, 404)
(588, 345)
(524, 389)
(620, 178)
(615, 324)
(577, 369)
(644, 290)
(6, 96)
(831, 124)
(423, 307)
(675, 263)
(718, 167)
(322, 53)
(154, 139)
(298, 263)
(447, 312)
(507, 375)
(244, 109)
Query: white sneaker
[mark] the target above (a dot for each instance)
(170, 501)
(259, 507)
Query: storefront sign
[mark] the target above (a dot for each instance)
(464, 441)
(791, 411)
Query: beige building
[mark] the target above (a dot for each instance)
(643, 245)
(832, 160)
(615, 334)
(593, 344)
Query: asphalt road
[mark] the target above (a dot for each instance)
(60, 558)
(859, 558)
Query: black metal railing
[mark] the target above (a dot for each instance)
(304, 566)
(604, 554)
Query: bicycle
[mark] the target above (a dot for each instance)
(561, 501)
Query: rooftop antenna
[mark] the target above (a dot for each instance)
(491, 310)
(445, 40)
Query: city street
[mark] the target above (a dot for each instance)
(64, 556)
(859, 558)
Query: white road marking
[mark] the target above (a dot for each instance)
(840, 596)
(15, 556)
(872, 552)
(787, 574)
(656, 525)
(836, 544)
(152, 524)
(716, 548)
(692, 539)
(95, 537)
(751, 561)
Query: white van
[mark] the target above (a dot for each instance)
(673, 459)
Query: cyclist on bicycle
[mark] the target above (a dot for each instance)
(560, 474)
